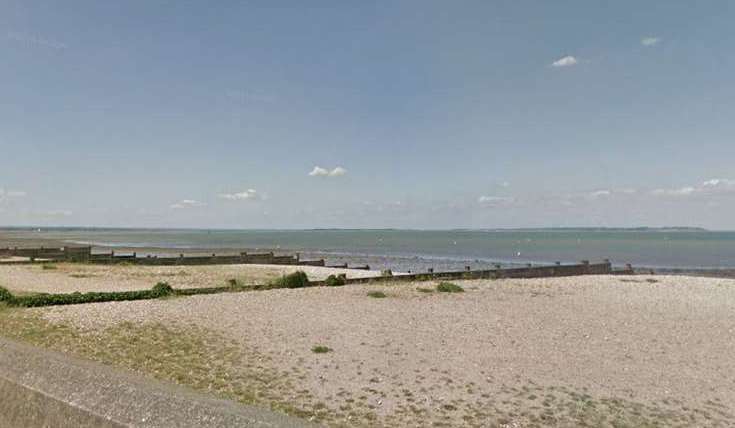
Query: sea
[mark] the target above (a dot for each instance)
(442, 250)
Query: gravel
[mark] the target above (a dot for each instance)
(650, 340)
(69, 278)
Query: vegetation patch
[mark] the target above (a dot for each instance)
(161, 289)
(297, 279)
(5, 295)
(209, 362)
(48, 266)
(321, 349)
(448, 287)
(335, 280)
(424, 290)
(377, 294)
(186, 355)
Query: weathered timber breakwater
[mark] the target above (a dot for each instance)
(85, 255)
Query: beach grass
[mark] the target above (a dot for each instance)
(377, 294)
(448, 287)
(321, 349)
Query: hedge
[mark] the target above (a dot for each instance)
(161, 289)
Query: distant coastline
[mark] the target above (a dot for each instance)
(520, 229)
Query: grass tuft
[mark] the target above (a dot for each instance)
(377, 294)
(424, 290)
(162, 289)
(448, 287)
(321, 349)
(48, 266)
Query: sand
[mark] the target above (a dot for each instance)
(556, 351)
(72, 277)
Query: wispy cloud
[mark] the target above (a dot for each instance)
(566, 61)
(187, 203)
(650, 41)
(249, 194)
(599, 194)
(35, 40)
(55, 213)
(709, 187)
(10, 194)
(492, 201)
(323, 172)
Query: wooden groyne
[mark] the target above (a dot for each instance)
(556, 270)
(85, 255)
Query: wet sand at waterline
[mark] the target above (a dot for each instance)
(595, 350)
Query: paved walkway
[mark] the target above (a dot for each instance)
(44, 388)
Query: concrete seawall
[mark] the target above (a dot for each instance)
(40, 388)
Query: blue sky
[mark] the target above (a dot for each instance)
(420, 114)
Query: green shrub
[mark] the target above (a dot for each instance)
(335, 281)
(297, 279)
(78, 298)
(48, 266)
(448, 287)
(424, 290)
(232, 282)
(5, 295)
(162, 289)
(321, 349)
(377, 294)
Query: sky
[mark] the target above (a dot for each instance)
(351, 114)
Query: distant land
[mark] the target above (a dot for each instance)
(519, 229)
(601, 229)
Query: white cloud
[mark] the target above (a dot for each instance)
(682, 191)
(323, 172)
(8, 194)
(712, 186)
(597, 194)
(250, 194)
(719, 183)
(337, 172)
(566, 61)
(187, 203)
(494, 200)
(318, 172)
(650, 41)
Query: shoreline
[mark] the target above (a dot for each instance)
(394, 262)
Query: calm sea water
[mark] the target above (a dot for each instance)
(415, 250)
